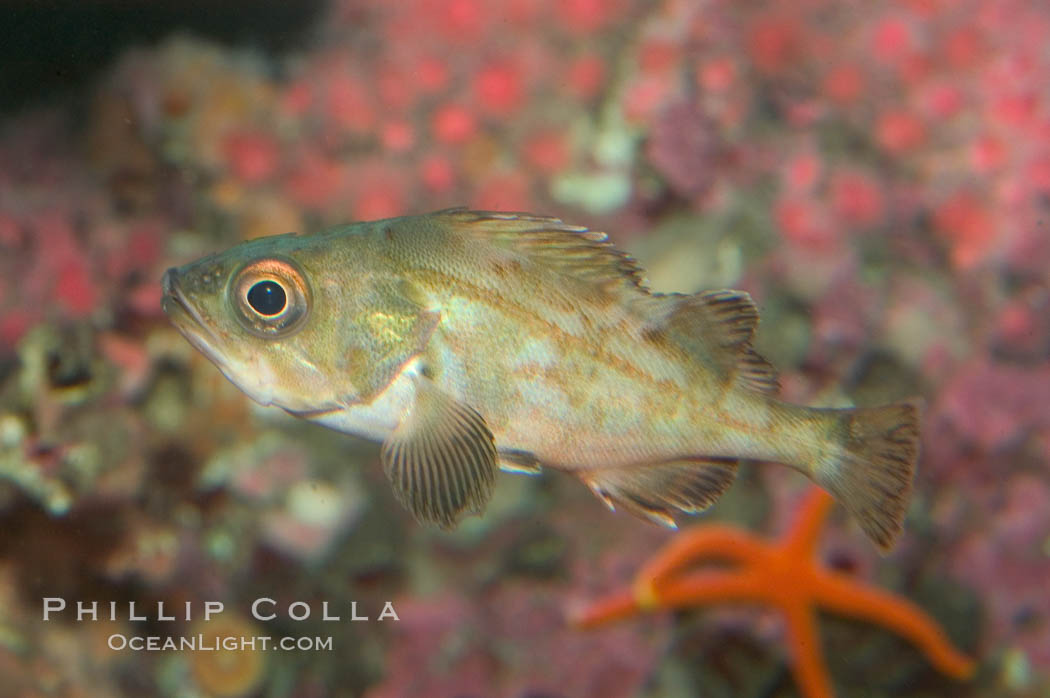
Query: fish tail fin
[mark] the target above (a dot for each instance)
(872, 473)
(657, 491)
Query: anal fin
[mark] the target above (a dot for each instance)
(657, 491)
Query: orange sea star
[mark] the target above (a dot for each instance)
(783, 574)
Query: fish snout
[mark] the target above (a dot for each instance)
(173, 300)
(171, 296)
(168, 281)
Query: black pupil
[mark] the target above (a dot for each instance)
(267, 298)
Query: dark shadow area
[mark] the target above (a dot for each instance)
(48, 48)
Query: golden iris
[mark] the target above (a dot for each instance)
(270, 297)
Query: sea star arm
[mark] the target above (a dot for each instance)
(807, 657)
(610, 608)
(709, 543)
(805, 531)
(688, 590)
(851, 598)
(707, 586)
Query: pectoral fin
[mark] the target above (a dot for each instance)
(441, 459)
(656, 491)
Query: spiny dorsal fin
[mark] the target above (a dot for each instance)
(717, 327)
(570, 249)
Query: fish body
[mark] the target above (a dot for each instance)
(468, 341)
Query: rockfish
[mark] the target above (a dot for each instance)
(470, 341)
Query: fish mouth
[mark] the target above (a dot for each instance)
(174, 301)
(186, 318)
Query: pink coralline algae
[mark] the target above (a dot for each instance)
(458, 95)
(952, 103)
(857, 198)
(453, 124)
(253, 157)
(61, 275)
(510, 641)
(1008, 562)
(966, 225)
(685, 150)
(994, 407)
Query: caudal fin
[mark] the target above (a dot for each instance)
(873, 478)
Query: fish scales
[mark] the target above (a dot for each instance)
(496, 302)
(469, 341)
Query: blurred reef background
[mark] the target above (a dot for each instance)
(877, 175)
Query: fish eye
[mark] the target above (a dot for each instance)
(267, 297)
(270, 297)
